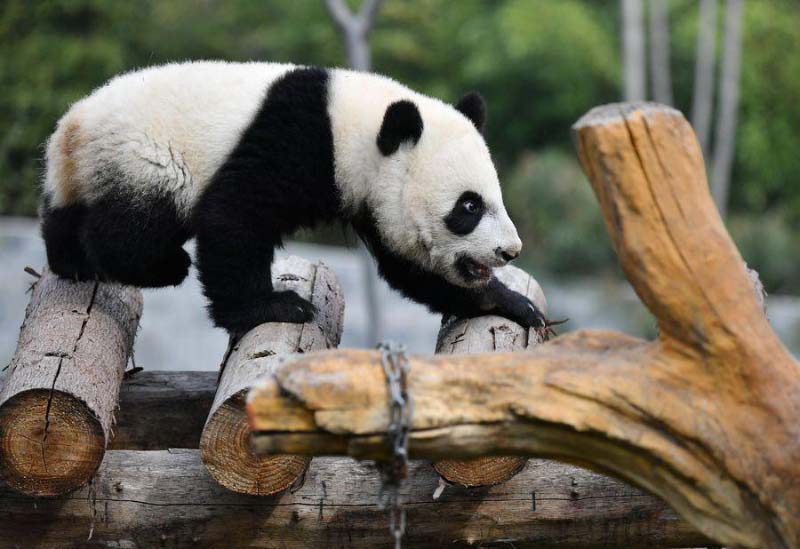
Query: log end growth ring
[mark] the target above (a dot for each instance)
(50, 442)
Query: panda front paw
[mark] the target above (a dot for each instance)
(284, 306)
(521, 310)
(287, 306)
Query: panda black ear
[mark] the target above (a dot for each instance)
(473, 107)
(402, 122)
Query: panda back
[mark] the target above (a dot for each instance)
(167, 128)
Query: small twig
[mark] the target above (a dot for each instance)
(547, 330)
(31, 271)
(132, 372)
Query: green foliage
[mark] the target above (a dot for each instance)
(769, 245)
(540, 64)
(766, 164)
(555, 211)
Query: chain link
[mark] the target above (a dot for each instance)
(401, 408)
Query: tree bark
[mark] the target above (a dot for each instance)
(57, 405)
(706, 416)
(489, 334)
(659, 52)
(225, 442)
(633, 58)
(166, 498)
(160, 410)
(725, 133)
(703, 96)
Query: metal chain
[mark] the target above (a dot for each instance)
(401, 408)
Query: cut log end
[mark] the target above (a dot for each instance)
(226, 452)
(50, 443)
(616, 112)
(225, 443)
(485, 334)
(486, 471)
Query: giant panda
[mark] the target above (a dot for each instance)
(240, 155)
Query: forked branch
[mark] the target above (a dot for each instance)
(706, 416)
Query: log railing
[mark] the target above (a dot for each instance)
(165, 495)
(167, 498)
(707, 416)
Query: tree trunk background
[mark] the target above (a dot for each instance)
(703, 95)
(355, 29)
(633, 56)
(725, 133)
(659, 52)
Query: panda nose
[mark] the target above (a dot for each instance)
(506, 255)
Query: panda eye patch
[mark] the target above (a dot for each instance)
(466, 214)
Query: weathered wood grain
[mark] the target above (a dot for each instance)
(58, 402)
(225, 442)
(485, 334)
(707, 416)
(167, 499)
(160, 410)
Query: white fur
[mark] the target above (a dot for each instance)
(167, 127)
(171, 127)
(412, 191)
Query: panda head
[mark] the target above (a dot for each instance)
(440, 203)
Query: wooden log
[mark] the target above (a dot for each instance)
(57, 405)
(167, 499)
(489, 334)
(161, 410)
(225, 442)
(707, 416)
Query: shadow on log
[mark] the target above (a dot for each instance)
(58, 402)
(707, 416)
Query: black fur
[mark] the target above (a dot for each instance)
(473, 107)
(460, 220)
(438, 294)
(402, 122)
(61, 230)
(280, 177)
(137, 240)
(118, 238)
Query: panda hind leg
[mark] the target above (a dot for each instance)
(61, 227)
(137, 240)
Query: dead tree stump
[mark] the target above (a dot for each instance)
(481, 335)
(225, 442)
(56, 409)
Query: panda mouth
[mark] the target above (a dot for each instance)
(473, 270)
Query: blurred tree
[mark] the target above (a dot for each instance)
(660, 73)
(725, 132)
(703, 95)
(355, 28)
(633, 59)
